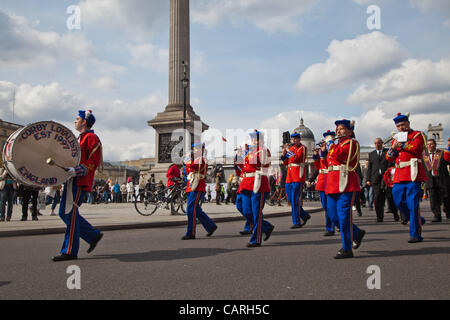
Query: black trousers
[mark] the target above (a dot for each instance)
(391, 204)
(379, 199)
(28, 196)
(438, 196)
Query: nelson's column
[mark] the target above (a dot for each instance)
(179, 92)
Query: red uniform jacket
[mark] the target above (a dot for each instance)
(413, 148)
(447, 155)
(298, 157)
(388, 177)
(199, 165)
(256, 160)
(91, 157)
(321, 164)
(173, 172)
(338, 154)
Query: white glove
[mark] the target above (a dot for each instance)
(71, 172)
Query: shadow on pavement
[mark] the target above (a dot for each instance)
(4, 283)
(399, 253)
(166, 255)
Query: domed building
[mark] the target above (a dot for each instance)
(307, 137)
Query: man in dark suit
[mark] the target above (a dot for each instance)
(374, 177)
(438, 183)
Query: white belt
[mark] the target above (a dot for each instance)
(296, 165)
(253, 174)
(403, 164)
(323, 171)
(337, 168)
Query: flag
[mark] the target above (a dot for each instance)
(224, 140)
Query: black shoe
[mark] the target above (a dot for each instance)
(24, 219)
(245, 233)
(8, 218)
(328, 234)
(404, 222)
(35, 219)
(64, 257)
(342, 254)
(2, 219)
(357, 242)
(359, 214)
(296, 226)
(94, 243)
(396, 218)
(379, 220)
(437, 219)
(253, 245)
(268, 233)
(306, 220)
(211, 232)
(414, 240)
(188, 237)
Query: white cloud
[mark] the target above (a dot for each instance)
(23, 46)
(268, 15)
(350, 61)
(137, 19)
(441, 6)
(413, 78)
(126, 143)
(105, 83)
(150, 56)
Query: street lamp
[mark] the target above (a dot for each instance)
(185, 84)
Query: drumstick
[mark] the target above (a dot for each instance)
(52, 162)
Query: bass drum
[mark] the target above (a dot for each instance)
(26, 152)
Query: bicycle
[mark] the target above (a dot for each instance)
(151, 198)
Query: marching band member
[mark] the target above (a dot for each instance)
(409, 174)
(238, 167)
(75, 190)
(254, 188)
(343, 185)
(197, 168)
(321, 165)
(294, 158)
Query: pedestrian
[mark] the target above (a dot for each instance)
(81, 181)
(294, 156)
(197, 169)
(123, 192)
(53, 197)
(343, 184)
(406, 151)
(29, 195)
(130, 190)
(255, 189)
(208, 192)
(377, 166)
(438, 183)
(116, 193)
(8, 187)
(229, 186)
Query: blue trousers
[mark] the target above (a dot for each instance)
(77, 226)
(248, 219)
(407, 199)
(255, 202)
(294, 192)
(329, 225)
(194, 212)
(339, 209)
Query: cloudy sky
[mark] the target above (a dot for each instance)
(254, 64)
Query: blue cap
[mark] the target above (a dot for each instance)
(88, 116)
(347, 123)
(329, 133)
(296, 135)
(196, 144)
(401, 118)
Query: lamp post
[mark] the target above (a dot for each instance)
(185, 84)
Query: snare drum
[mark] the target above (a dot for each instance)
(26, 152)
